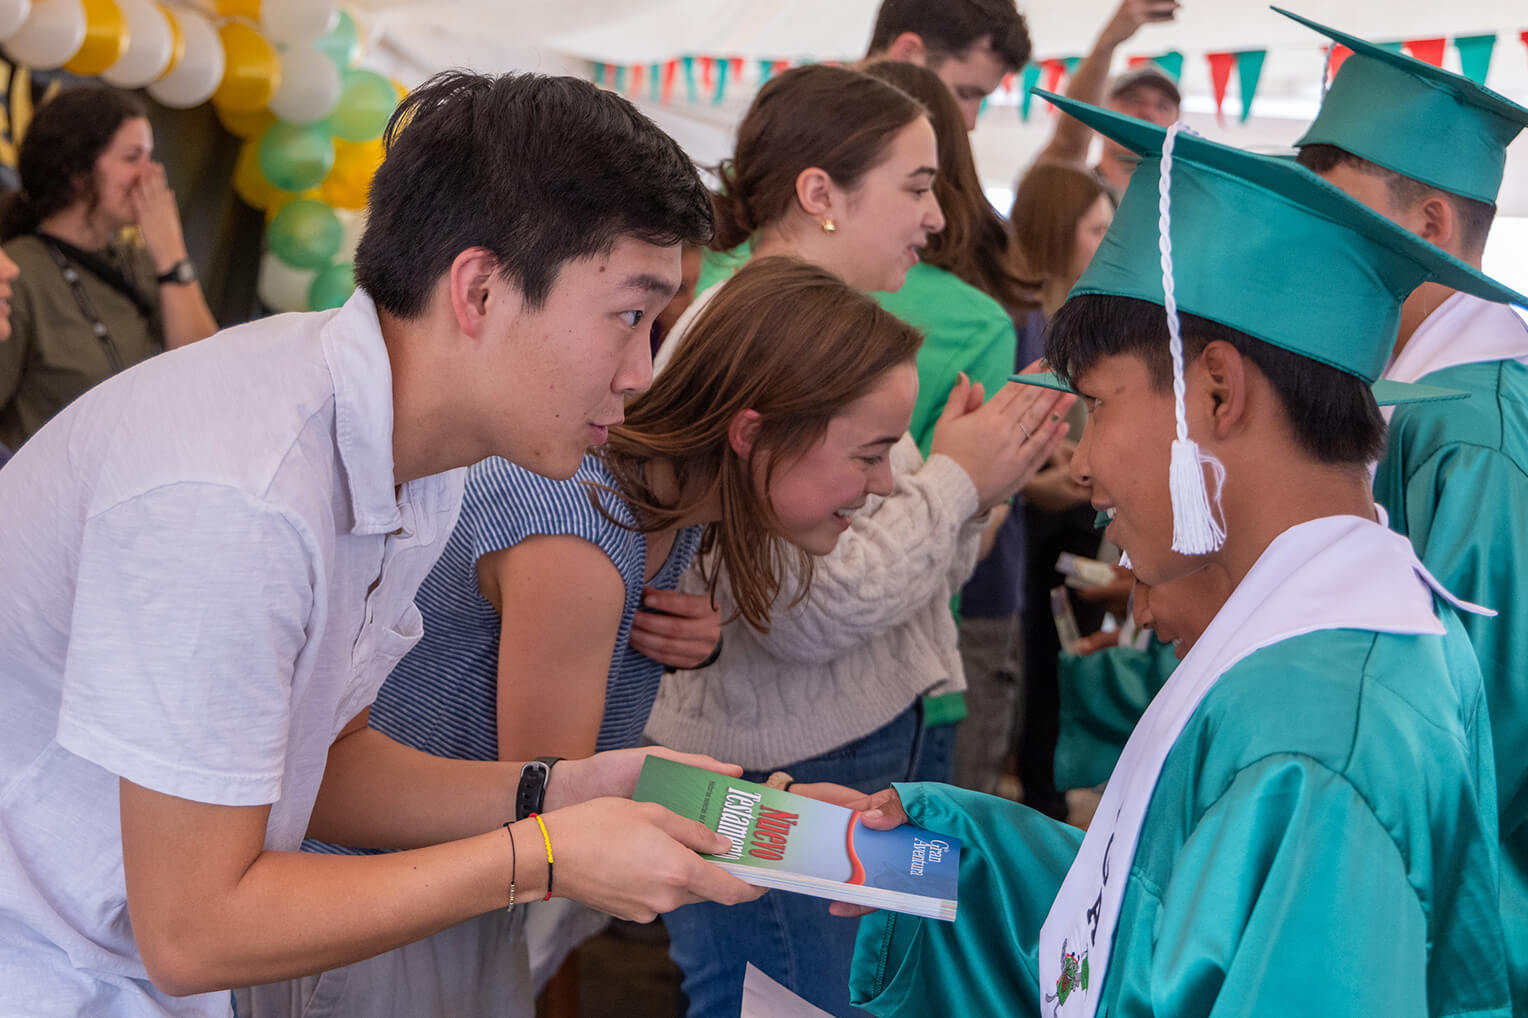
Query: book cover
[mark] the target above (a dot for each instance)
(794, 843)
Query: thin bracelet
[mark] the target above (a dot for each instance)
(514, 860)
(548, 839)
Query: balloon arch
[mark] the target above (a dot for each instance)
(281, 74)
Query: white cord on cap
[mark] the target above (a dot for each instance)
(1196, 531)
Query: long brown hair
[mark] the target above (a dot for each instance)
(974, 244)
(789, 341)
(1049, 201)
(835, 119)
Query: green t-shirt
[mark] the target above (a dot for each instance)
(52, 355)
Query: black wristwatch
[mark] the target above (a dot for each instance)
(181, 273)
(532, 793)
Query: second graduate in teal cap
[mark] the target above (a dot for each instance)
(1304, 820)
(1426, 147)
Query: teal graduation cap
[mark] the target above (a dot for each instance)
(1263, 245)
(1415, 119)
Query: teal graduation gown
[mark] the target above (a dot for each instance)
(1103, 695)
(1455, 481)
(1321, 842)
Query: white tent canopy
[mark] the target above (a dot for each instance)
(413, 38)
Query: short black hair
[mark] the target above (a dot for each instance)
(539, 170)
(1475, 216)
(950, 27)
(1332, 413)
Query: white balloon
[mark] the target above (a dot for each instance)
(13, 14)
(354, 223)
(281, 287)
(192, 81)
(288, 21)
(149, 45)
(310, 86)
(52, 34)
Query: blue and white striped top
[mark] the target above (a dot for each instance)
(442, 697)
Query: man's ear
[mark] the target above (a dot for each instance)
(907, 47)
(1439, 221)
(1222, 379)
(743, 432)
(473, 282)
(814, 192)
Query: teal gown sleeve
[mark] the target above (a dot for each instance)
(1463, 509)
(985, 962)
(1103, 695)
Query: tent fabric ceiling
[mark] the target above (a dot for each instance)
(411, 39)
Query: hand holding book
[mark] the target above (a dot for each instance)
(879, 811)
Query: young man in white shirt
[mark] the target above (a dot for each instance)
(210, 562)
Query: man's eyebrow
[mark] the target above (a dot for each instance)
(651, 284)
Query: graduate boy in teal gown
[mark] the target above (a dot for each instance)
(1426, 147)
(1304, 821)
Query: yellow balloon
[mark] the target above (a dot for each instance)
(355, 163)
(177, 40)
(239, 9)
(400, 88)
(244, 125)
(248, 182)
(252, 70)
(105, 38)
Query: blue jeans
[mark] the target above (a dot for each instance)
(792, 937)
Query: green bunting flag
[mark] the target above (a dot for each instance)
(1249, 68)
(1030, 78)
(599, 74)
(689, 77)
(1475, 56)
(1172, 63)
(722, 65)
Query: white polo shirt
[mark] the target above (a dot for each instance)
(206, 571)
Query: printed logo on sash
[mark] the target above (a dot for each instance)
(1074, 976)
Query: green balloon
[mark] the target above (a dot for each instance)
(295, 157)
(332, 287)
(342, 43)
(305, 234)
(366, 101)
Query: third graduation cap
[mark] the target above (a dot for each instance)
(1415, 119)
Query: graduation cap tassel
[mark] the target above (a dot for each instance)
(1196, 531)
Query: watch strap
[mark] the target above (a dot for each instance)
(531, 794)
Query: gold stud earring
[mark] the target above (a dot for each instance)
(828, 226)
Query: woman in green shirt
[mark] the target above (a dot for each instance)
(87, 306)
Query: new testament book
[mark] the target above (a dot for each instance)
(794, 843)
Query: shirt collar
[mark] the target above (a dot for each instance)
(363, 413)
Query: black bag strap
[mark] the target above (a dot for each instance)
(99, 267)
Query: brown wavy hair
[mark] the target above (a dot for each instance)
(835, 119)
(974, 245)
(796, 345)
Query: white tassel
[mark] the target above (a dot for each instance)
(1196, 531)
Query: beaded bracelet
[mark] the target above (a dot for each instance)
(548, 839)
(514, 860)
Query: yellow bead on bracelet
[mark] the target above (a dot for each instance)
(548, 839)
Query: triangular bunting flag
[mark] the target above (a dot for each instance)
(1070, 63)
(1428, 50)
(1249, 68)
(689, 78)
(1220, 77)
(599, 74)
(1335, 55)
(707, 73)
(1007, 84)
(654, 82)
(737, 69)
(766, 71)
(721, 82)
(1172, 63)
(620, 77)
(1394, 46)
(1475, 56)
(670, 69)
(637, 73)
(1030, 77)
(1138, 61)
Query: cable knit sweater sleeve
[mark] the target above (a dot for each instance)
(917, 543)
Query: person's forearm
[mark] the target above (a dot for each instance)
(293, 914)
(185, 314)
(378, 793)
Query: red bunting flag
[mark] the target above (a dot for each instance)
(1008, 82)
(1220, 77)
(780, 65)
(1428, 50)
(737, 69)
(1335, 55)
(707, 67)
(670, 69)
(1138, 61)
(635, 81)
